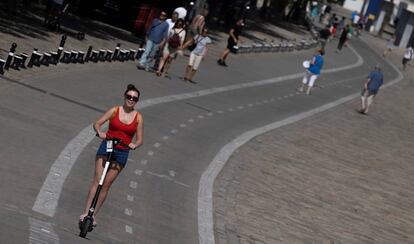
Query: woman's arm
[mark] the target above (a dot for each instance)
(189, 42)
(98, 124)
(139, 135)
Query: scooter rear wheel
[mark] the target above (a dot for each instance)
(85, 227)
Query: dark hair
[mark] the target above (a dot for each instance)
(131, 87)
(176, 23)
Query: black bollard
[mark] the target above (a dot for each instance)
(88, 54)
(60, 49)
(34, 59)
(10, 57)
(80, 57)
(2, 62)
(115, 56)
(24, 58)
(108, 56)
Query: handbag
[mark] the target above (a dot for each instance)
(194, 45)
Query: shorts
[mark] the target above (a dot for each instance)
(119, 155)
(195, 61)
(366, 93)
(405, 61)
(309, 78)
(169, 51)
(231, 45)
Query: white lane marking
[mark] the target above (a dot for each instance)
(150, 153)
(177, 97)
(130, 198)
(47, 199)
(144, 162)
(209, 114)
(230, 110)
(173, 131)
(169, 178)
(46, 203)
(157, 145)
(133, 184)
(250, 105)
(191, 120)
(165, 138)
(172, 173)
(41, 232)
(200, 116)
(138, 172)
(183, 125)
(128, 211)
(205, 190)
(240, 107)
(128, 229)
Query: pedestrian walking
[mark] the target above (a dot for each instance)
(388, 47)
(198, 44)
(408, 56)
(343, 38)
(232, 41)
(155, 38)
(371, 88)
(341, 25)
(324, 35)
(313, 71)
(171, 48)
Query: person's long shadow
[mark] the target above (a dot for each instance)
(29, 23)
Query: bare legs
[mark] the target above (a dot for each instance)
(113, 172)
(366, 101)
(189, 73)
(222, 60)
(164, 65)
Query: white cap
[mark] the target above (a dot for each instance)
(182, 12)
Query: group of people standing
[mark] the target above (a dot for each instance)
(166, 39)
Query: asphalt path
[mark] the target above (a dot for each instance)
(155, 198)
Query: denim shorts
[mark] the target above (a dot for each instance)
(119, 155)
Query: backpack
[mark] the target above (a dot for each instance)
(175, 41)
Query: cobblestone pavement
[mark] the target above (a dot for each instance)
(337, 177)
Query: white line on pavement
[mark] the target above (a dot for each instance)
(49, 194)
(205, 190)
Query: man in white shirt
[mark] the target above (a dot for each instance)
(171, 22)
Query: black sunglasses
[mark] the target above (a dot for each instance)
(131, 98)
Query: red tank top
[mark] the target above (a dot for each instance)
(120, 130)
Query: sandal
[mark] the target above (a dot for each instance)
(158, 73)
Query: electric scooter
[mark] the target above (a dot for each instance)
(86, 225)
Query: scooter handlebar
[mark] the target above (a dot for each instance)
(116, 141)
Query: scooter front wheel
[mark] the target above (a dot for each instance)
(85, 226)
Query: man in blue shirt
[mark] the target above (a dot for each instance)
(313, 72)
(371, 88)
(155, 38)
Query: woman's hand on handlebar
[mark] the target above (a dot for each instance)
(101, 135)
(132, 146)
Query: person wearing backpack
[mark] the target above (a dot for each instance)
(175, 40)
